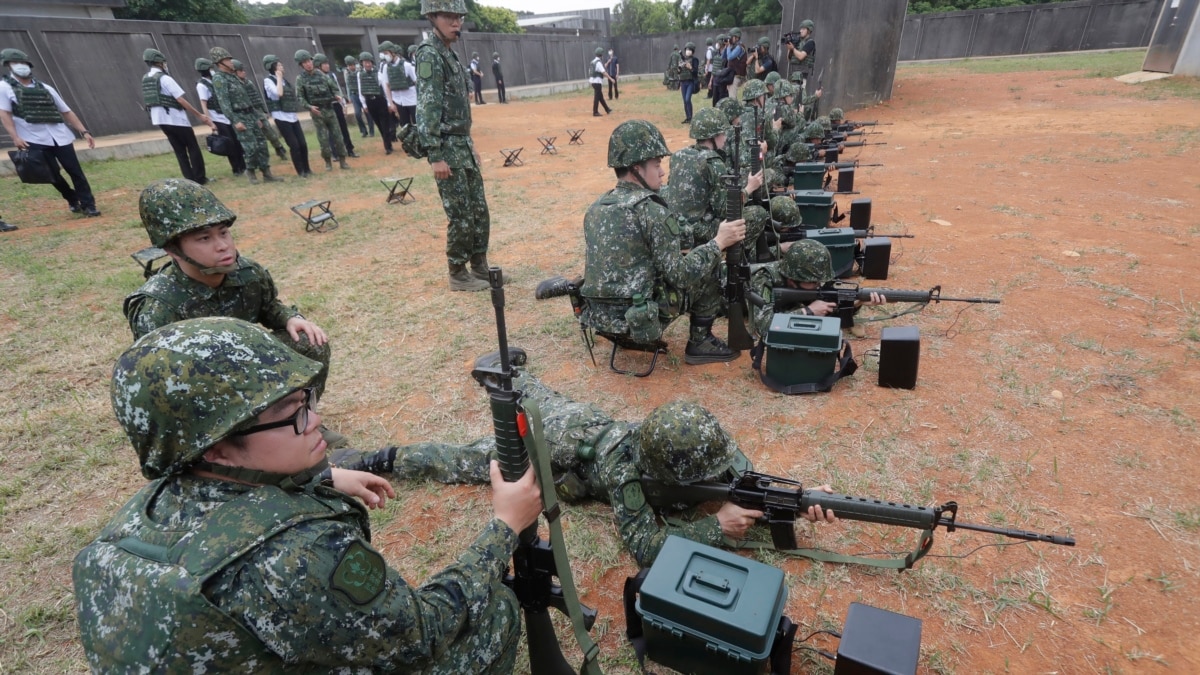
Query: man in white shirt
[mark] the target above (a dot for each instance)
(393, 76)
(210, 106)
(163, 96)
(33, 114)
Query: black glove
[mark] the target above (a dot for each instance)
(379, 462)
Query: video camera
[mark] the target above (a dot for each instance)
(793, 39)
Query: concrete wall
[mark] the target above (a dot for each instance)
(1031, 29)
(97, 64)
(530, 58)
(72, 9)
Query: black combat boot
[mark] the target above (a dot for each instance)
(268, 177)
(704, 347)
(462, 280)
(556, 287)
(479, 268)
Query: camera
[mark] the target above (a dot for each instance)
(793, 39)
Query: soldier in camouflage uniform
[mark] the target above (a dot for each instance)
(207, 276)
(697, 192)
(596, 457)
(805, 101)
(243, 113)
(444, 133)
(805, 264)
(671, 75)
(637, 280)
(256, 95)
(319, 96)
(321, 63)
(247, 553)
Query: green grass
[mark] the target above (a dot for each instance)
(1093, 64)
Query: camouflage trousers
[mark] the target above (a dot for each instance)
(465, 204)
(307, 349)
(490, 644)
(328, 132)
(254, 145)
(272, 134)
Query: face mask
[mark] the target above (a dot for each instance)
(21, 69)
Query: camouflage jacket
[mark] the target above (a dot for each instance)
(443, 108)
(634, 247)
(762, 281)
(696, 191)
(247, 293)
(197, 574)
(315, 89)
(235, 102)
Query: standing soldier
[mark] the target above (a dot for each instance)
(284, 104)
(255, 93)
(444, 133)
(801, 57)
(163, 97)
(477, 79)
(373, 98)
(339, 110)
(672, 76)
(33, 114)
(209, 106)
(241, 110)
(351, 75)
(319, 96)
(499, 77)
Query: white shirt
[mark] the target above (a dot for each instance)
(405, 97)
(597, 71)
(205, 95)
(708, 54)
(169, 116)
(38, 134)
(269, 89)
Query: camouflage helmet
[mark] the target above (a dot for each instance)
(219, 54)
(807, 23)
(182, 388)
(152, 55)
(764, 41)
(202, 65)
(753, 89)
(633, 142)
(411, 49)
(458, 7)
(837, 115)
(10, 54)
(731, 107)
(783, 89)
(599, 51)
(683, 443)
(772, 78)
(814, 130)
(807, 260)
(237, 65)
(735, 33)
(366, 56)
(302, 55)
(319, 58)
(756, 219)
(708, 123)
(826, 125)
(785, 211)
(797, 76)
(269, 60)
(798, 152)
(349, 60)
(173, 206)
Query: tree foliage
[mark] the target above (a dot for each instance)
(486, 19)
(730, 13)
(265, 10)
(197, 11)
(640, 17)
(928, 6)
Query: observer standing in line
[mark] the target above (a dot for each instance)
(212, 107)
(33, 114)
(599, 74)
(496, 73)
(613, 67)
(163, 97)
(284, 104)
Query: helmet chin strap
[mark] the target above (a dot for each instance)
(637, 175)
(220, 269)
(291, 482)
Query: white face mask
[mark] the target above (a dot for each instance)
(21, 69)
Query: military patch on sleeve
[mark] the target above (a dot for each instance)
(632, 496)
(673, 225)
(424, 70)
(360, 575)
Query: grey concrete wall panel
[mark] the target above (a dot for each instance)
(1057, 28)
(910, 37)
(1170, 34)
(997, 32)
(946, 36)
(533, 62)
(1188, 62)
(856, 77)
(1120, 24)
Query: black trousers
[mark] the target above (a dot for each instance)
(598, 99)
(408, 114)
(237, 160)
(613, 90)
(293, 135)
(81, 194)
(377, 108)
(500, 91)
(341, 118)
(477, 85)
(187, 151)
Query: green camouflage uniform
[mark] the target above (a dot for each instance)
(239, 107)
(254, 91)
(444, 132)
(315, 89)
(598, 455)
(634, 248)
(247, 293)
(696, 192)
(806, 260)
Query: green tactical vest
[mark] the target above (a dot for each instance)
(315, 88)
(613, 218)
(152, 94)
(35, 105)
(288, 102)
(351, 82)
(213, 104)
(397, 77)
(370, 84)
(140, 586)
(689, 193)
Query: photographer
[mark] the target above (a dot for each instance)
(802, 52)
(689, 73)
(760, 62)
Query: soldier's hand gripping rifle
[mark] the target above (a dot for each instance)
(737, 270)
(518, 428)
(781, 500)
(847, 295)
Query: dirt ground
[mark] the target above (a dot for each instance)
(1070, 408)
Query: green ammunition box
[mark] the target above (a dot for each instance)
(816, 208)
(802, 349)
(842, 247)
(809, 176)
(705, 610)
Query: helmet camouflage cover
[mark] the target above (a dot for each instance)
(732, 108)
(708, 123)
(219, 54)
(449, 6)
(807, 260)
(797, 76)
(302, 55)
(772, 77)
(756, 220)
(753, 89)
(837, 115)
(633, 142)
(173, 206)
(824, 122)
(683, 443)
(182, 388)
(784, 211)
(814, 130)
(784, 89)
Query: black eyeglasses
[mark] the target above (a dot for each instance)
(298, 422)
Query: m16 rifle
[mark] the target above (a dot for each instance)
(781, 500)
(737, 269)
(798, 233)
(847, 295)
(518, 429)
(760, 196)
